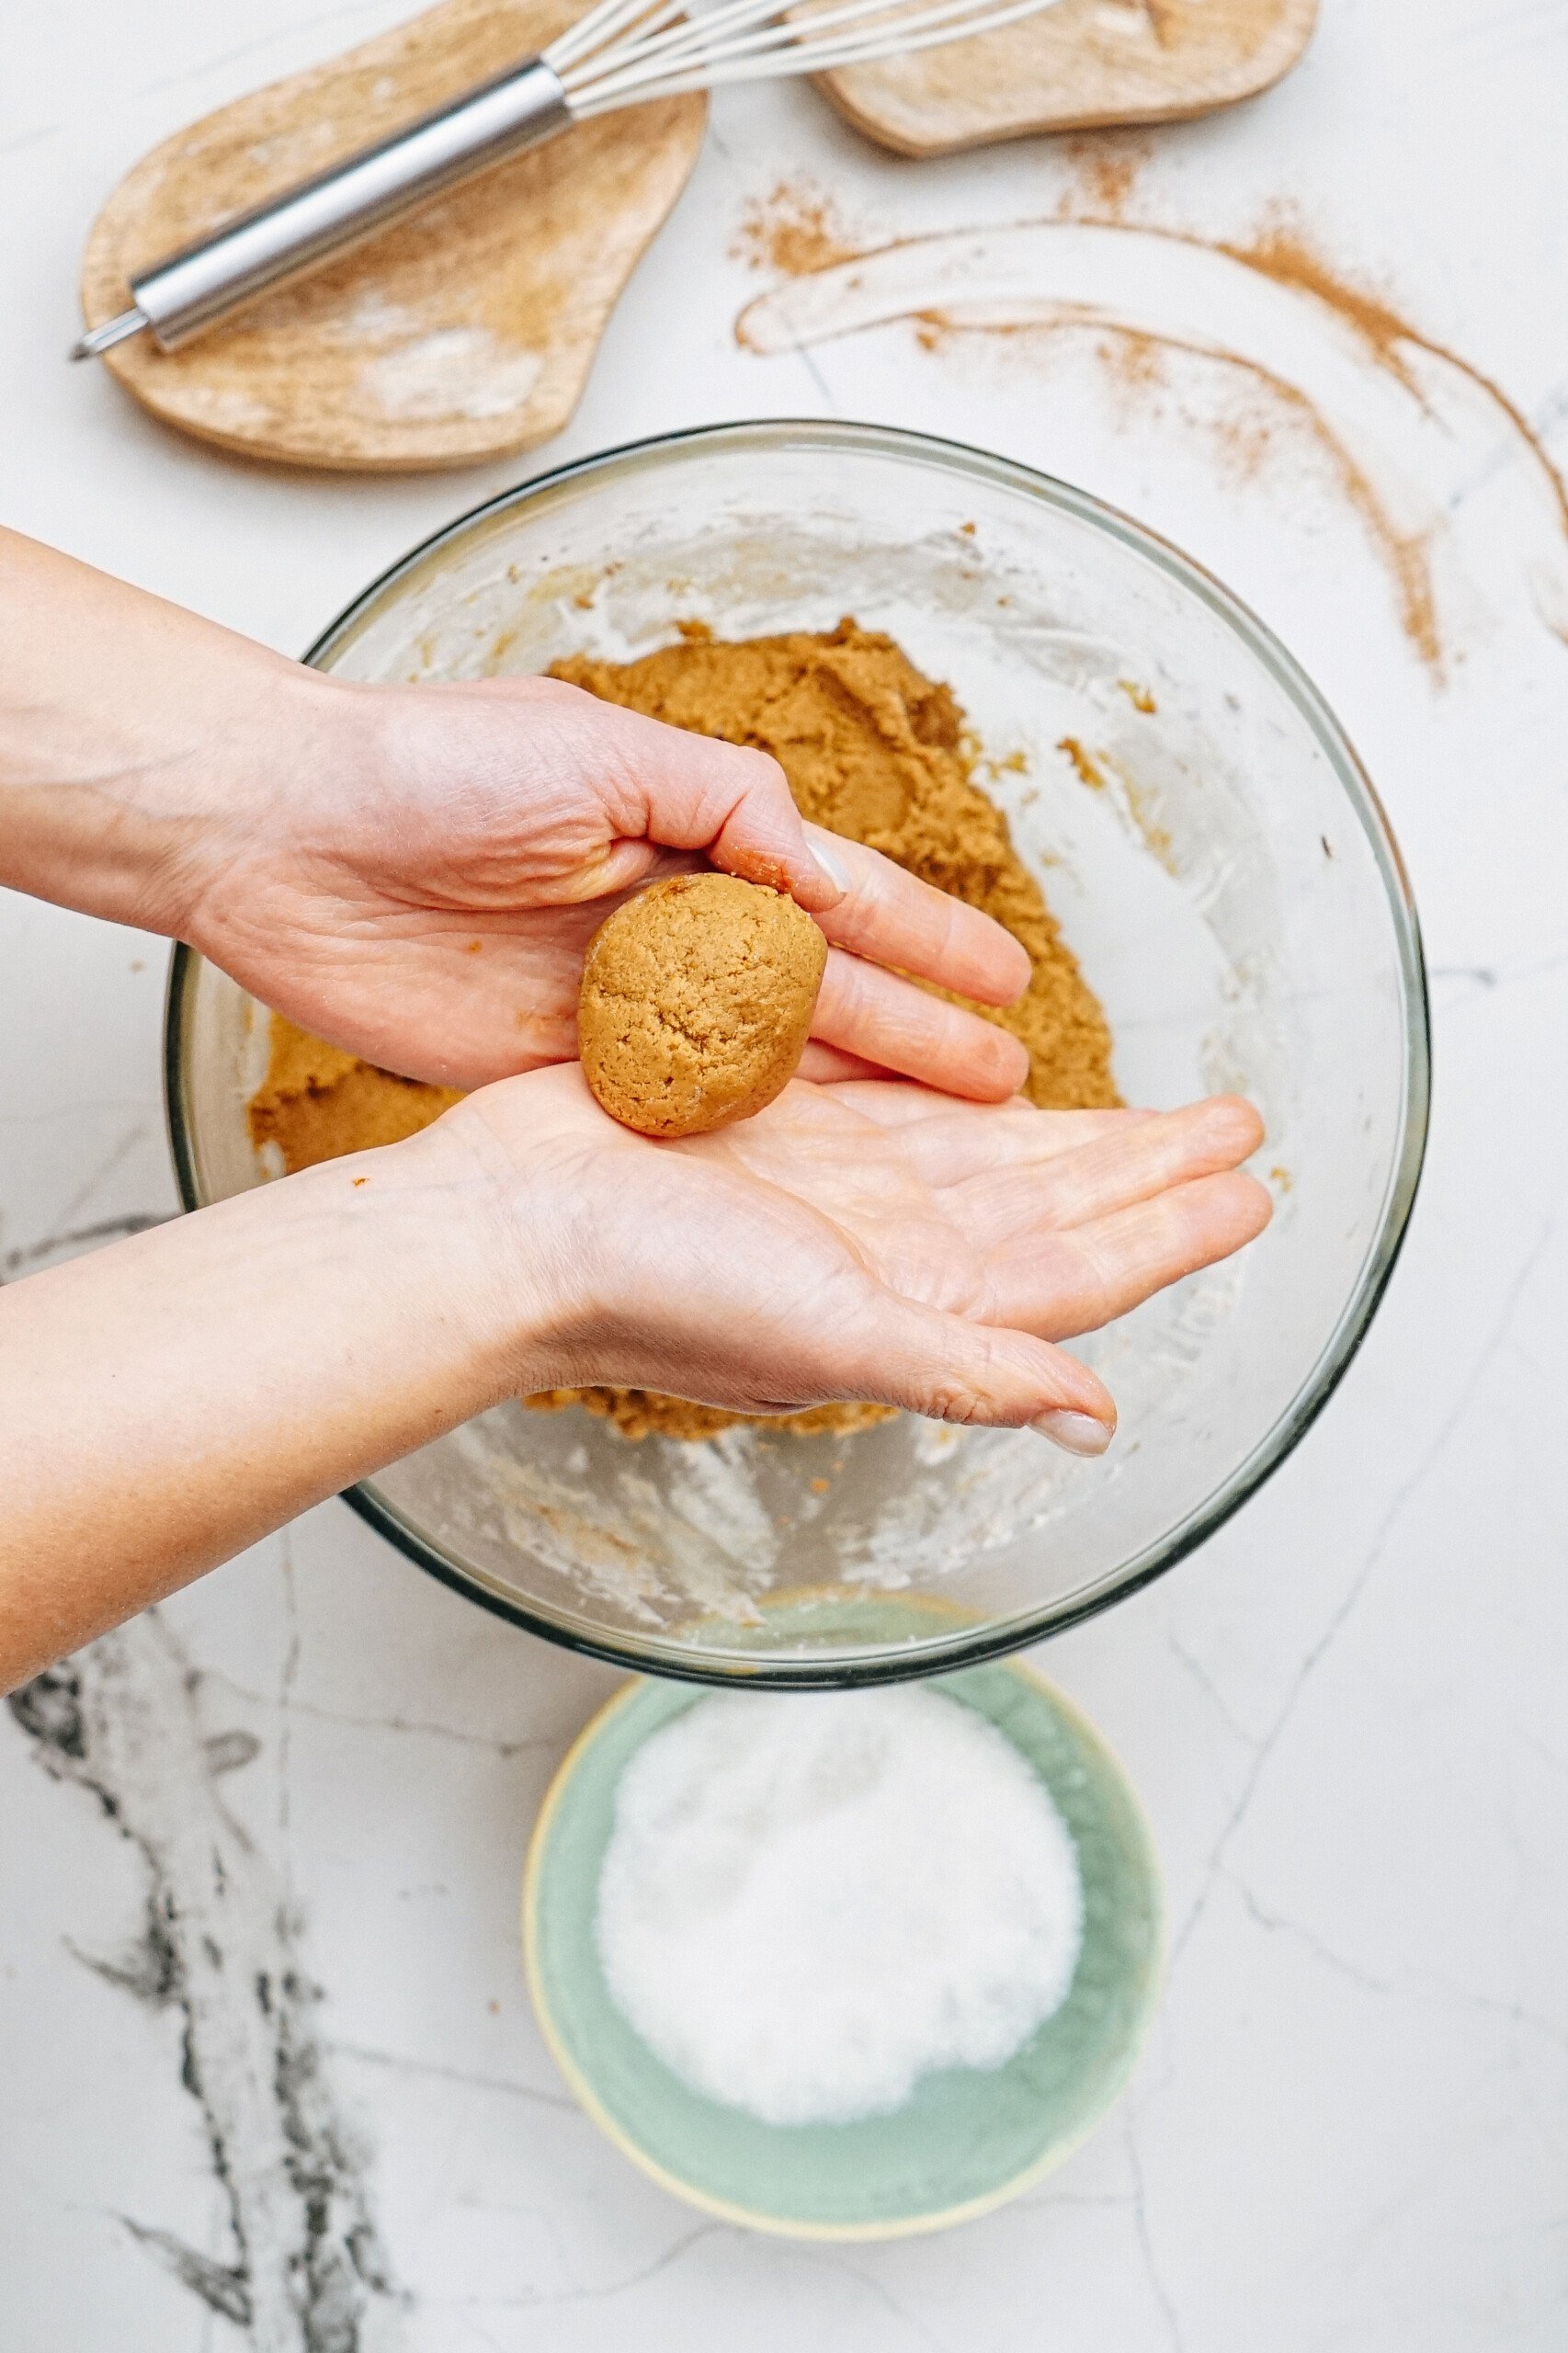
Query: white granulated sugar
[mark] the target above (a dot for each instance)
(807, 1904)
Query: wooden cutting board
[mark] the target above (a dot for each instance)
(466, 330)
(1081, 64)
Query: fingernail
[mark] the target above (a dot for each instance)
(830, 865)
(1077, 1433)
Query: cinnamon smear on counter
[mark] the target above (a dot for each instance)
(796, 228)
(1105, 165)
(873, 750)
(1100, 191)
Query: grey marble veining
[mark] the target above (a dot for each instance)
(220, 1944)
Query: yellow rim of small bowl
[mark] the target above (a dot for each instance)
(722, 2210)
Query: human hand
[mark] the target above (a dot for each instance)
(414, 871)
(426, 865)
(868, 1240)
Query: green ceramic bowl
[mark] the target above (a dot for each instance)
(967, 2138)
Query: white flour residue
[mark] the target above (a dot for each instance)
(371, 317)
(456, 371)
(224, 409)
(673, 1531)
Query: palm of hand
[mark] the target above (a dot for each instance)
(868, 1240)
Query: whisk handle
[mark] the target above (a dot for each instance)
(307, 225)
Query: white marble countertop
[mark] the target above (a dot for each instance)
(1345, 1714)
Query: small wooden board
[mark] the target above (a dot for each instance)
(1079, 66)
(458, 335)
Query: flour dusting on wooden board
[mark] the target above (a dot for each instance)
(460, 334)
(456, 371)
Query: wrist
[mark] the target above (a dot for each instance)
(535, 1256)
(129, 730)
(135, 817)
(225, 808)
(465, 1200)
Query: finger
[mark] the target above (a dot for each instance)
(955, 1371)
(617, 871)
(959, 1154)
(1074, 1283)
(977, 1144)
(871, 1012)
(891, 917)
(695, 793)
(830, 1066)
(1131, 1163)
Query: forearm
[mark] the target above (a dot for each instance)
(127, 727)
(171, 1400)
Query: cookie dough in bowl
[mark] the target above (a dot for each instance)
(1170, 793)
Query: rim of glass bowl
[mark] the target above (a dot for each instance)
(955, 1647)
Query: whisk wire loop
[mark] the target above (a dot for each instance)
(717, 34)
(603, 23)
(623, 51)
(667, 32)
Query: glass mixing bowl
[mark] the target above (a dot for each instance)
(1221, 867)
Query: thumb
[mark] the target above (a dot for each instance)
(695, 793)
(763, 839)
(983, 1374)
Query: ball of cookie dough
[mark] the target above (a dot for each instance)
(696, 1002)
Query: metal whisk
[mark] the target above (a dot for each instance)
(622, 52)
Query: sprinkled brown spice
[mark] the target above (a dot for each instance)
(796, 228)
(1105, 165)
(1266, 416)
